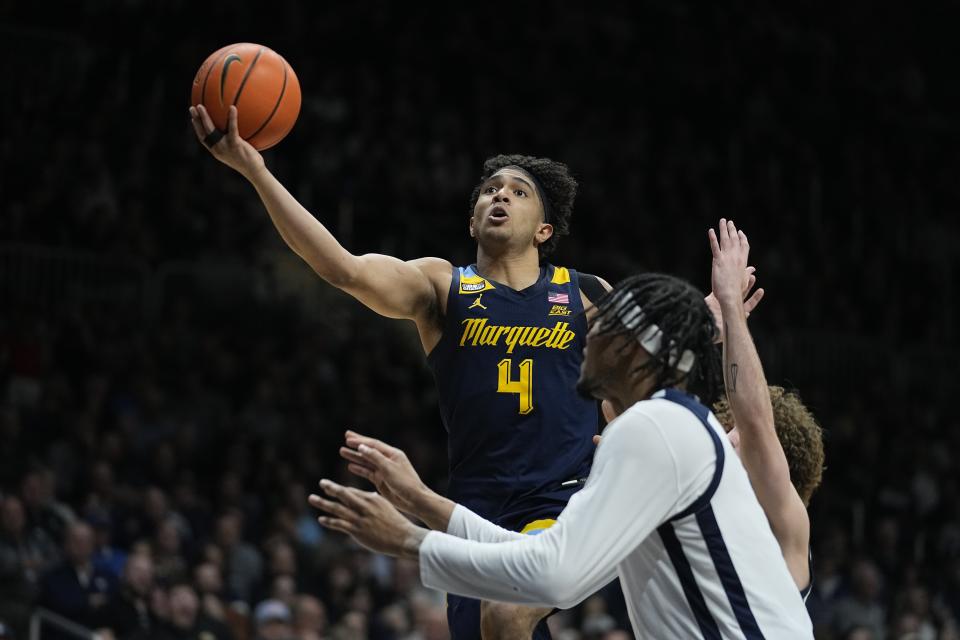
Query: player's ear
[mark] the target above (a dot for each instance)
(473, 233)
(543, 233)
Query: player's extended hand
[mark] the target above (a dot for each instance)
(229, 148)
(388, 468)
(367, 518)
(730, 277)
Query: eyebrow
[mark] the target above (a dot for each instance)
(500, 176)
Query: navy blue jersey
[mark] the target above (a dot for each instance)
(506, 369)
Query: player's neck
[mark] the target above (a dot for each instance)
(624, 396)
(516, 271)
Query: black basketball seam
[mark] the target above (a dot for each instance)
(203, 89)
(246, 75)
(283, 89)
(224, 70)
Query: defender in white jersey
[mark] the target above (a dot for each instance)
(667, 507)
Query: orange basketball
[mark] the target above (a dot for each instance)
(259, 82)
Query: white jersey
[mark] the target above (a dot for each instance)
(669, 510)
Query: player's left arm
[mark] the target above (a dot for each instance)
(561, 566)
(390, 471)
(749, 398)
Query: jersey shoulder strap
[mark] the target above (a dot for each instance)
(591, 287)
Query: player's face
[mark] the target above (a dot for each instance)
(509, 211)
(608, 363)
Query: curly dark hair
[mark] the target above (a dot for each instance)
(799, 434)
(678, 309)
(556, 180)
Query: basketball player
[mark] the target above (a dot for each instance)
(504, 338)
(761, 421)
(668, 506)
(776, 436)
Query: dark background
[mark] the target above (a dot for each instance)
(158, 339)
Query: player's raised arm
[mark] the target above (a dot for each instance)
(389, 286)
(749, 397)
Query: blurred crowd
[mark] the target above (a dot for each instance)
(155, 464)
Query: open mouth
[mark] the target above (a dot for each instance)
(499, 214)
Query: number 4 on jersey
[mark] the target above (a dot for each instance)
(523, 386)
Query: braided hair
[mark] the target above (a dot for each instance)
(670, 319)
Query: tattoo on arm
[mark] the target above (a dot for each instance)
(732, 377)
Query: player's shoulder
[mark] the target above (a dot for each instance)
(438, 270)
(679, 426)
(431, 265)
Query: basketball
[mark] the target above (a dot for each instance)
(259, 82)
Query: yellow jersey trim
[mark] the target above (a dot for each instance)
(538, 526)
(561, 275)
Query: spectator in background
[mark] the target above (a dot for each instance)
(128, 613)
(167, 553)
(353, 626)
(862, 608)
(208, 581)
(77, 589)
(157, 512)
(25, 553)
(308, 531)
(309, 618)
(242, 562)
(185, 621)
(273, 621)
(282, 571)
(38, 490)
(105, 556)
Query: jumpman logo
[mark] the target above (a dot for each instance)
(477, 303)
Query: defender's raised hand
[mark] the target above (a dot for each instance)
(229, 148)
(730, 276)
(368, 518)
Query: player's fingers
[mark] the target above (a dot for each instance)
(363, 472)
(197, 124)
(744, 243)
(732, 236)
(233, 130)
(351, 455)
(346, 495)
(751, 280)
(355, 439)
(373, 457)
(208, 126)
(609, 413)
(337, 525)
(752, 302)
(596, 440)
(333, 508)
(722, 233)
(714, 244)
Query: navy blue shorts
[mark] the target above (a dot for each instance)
(463, 614)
